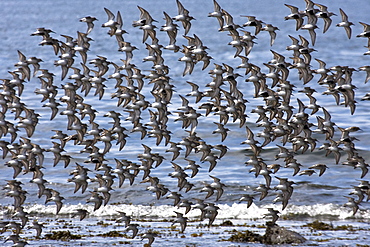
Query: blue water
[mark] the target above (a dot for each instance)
(21, 18)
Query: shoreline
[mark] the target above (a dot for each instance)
(106, 232)
(103, 230)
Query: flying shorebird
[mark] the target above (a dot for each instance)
(345, 23)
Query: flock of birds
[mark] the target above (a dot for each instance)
(279, 120)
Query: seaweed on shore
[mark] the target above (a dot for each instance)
(245, 236)
(62, 235)
(113, 234)
(318, 225)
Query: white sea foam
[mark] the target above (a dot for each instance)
(234, 211)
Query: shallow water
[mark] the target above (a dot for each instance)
(313, 198)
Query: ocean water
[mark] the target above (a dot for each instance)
(314, 197)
